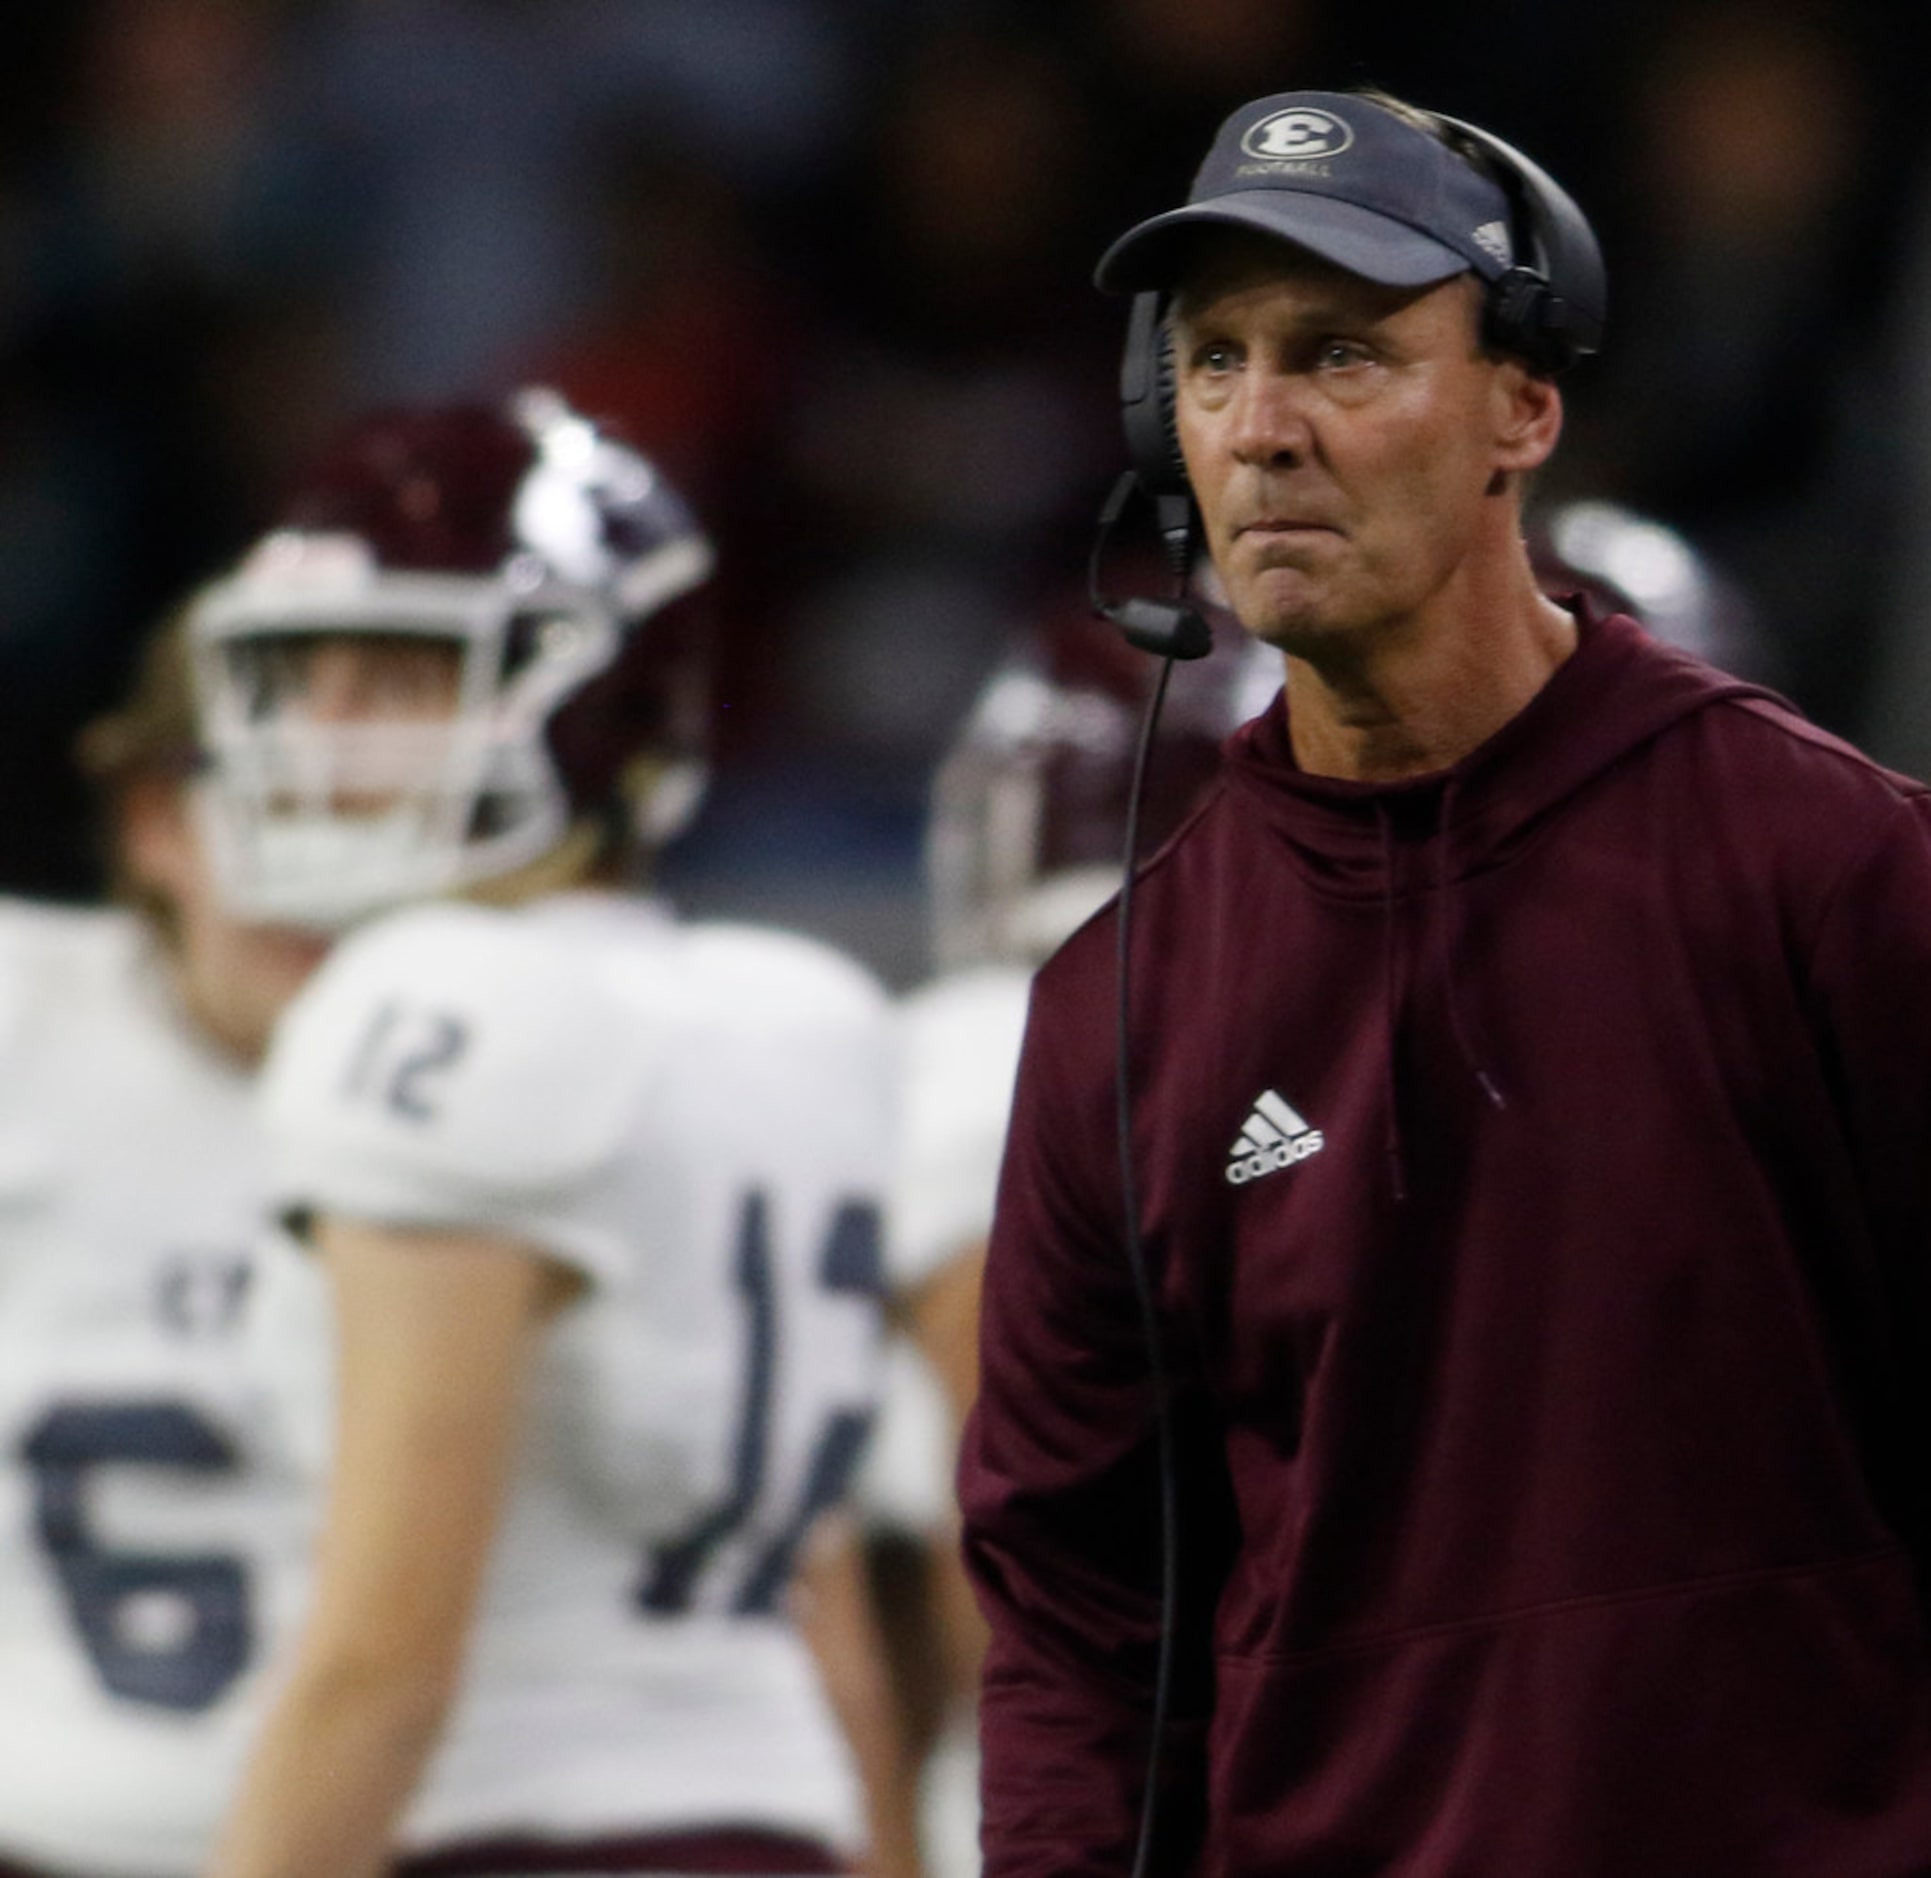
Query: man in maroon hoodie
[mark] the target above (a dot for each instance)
(1531, 1123)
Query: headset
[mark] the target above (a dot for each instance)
(1547, 309)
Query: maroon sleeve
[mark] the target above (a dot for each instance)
(1060, 1490)
(1870, 991)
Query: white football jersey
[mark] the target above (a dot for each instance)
(696, 1121)
(149, 1551)
(958, 1042)
(959, 1038)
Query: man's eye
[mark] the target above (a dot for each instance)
(1215, 357)
(1341, 352)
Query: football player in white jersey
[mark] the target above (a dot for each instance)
(1024, 842)
(586, 1341)
(145, 1533)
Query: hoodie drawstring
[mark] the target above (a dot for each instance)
(1447, 918)
(1391, 1000)
(1449, 924)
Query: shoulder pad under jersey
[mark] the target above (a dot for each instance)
(448, 1055)
(959, 1040)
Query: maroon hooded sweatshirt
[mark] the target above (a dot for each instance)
(1535, 1169)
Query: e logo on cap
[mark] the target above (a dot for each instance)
(1297, 136)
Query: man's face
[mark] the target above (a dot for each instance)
(1344, 439)
(348, 678)
(381, 701)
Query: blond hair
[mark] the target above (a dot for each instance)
(152, 731)
(149, 737)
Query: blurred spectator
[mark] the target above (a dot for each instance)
(456, 127)
(160, 356)
(1163, 73)
(1740, 396)
(865, 229)
(693, 340)
(950, 433)
(762, 92)
(957, 417)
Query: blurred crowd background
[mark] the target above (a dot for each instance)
(829, 260)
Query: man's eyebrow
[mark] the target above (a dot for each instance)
(1329, 312)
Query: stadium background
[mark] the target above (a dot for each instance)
(829, 260)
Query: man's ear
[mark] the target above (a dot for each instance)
(1528, 416)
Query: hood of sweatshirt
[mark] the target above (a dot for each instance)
(1616, 691)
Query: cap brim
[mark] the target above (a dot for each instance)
(1356, 239)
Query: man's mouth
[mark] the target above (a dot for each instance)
(1281, 525)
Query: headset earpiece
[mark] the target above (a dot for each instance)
(1146, 399)
(1166, 627)
(1550, 306)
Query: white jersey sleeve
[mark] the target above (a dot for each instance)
(959, 1040)
(448, 1067)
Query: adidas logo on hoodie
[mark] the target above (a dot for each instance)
(1273, 1137)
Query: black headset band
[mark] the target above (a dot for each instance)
(1549, 307)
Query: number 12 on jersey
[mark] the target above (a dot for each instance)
(848, 1264)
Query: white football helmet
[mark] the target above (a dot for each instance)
(544, 555)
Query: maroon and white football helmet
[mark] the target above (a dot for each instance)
(1028, 813)
(550, 556)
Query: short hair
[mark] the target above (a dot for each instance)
(1448, 136)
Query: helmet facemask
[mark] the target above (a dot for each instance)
(319, 817)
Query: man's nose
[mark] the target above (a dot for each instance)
(335, 687)
(1269, 418)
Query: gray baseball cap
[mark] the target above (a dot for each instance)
(1339, 176)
